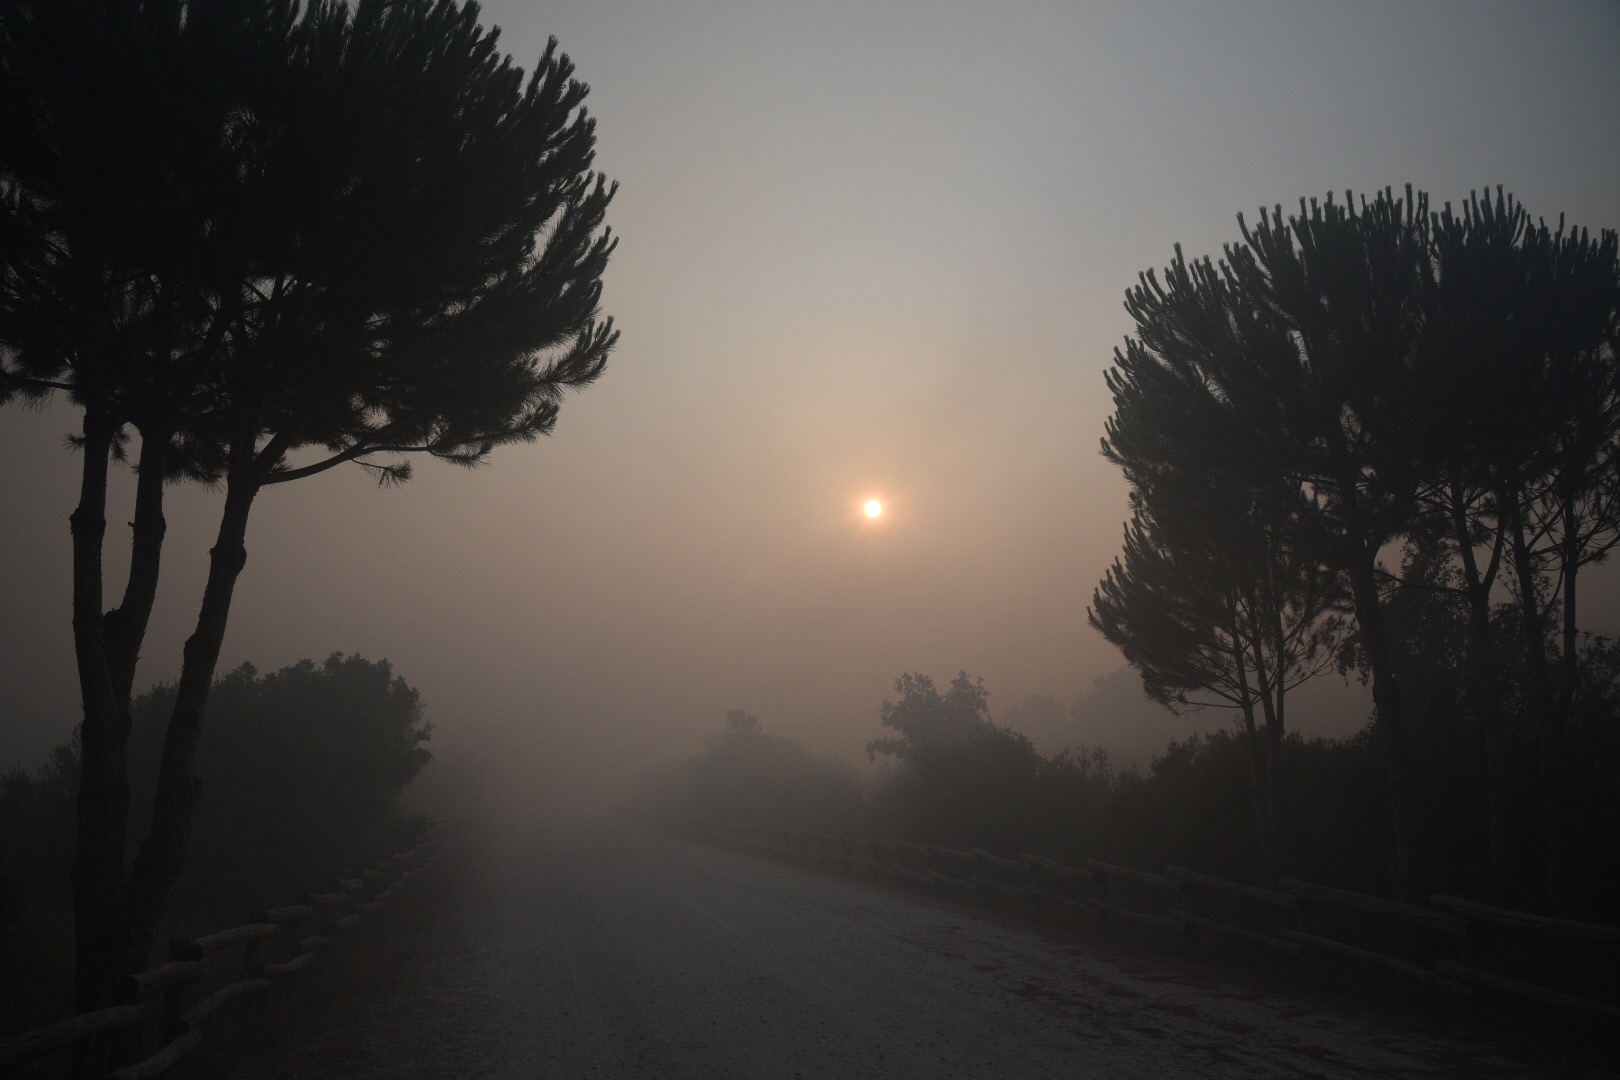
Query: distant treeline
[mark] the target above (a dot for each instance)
(301, 773)
(747, 774)
(954, 777)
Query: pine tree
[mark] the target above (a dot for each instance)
(269, 241)
(1293, 358)
(1213, 604)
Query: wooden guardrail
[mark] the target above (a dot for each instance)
(1286, 921)
(156, 998)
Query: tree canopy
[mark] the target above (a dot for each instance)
(924, 719)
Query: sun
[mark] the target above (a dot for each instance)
(873, 508)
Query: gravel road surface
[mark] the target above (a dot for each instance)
(638, 955)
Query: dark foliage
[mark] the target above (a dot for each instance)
(1428, 616)
(36, 831)
(988, 787)
(302, 772)
(924, 719)
(1191, 807)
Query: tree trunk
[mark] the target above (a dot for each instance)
(163, 852)
(125, 628)
(1259, 780)
(1482, 661)
(1549, 731)
(1552, 742)
(117, 918)
(100, 924)
(1277, 724)
(1267, 748)
(1410, 865)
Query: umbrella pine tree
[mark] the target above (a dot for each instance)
(339, 235)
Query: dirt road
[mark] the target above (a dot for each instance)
(637, 955)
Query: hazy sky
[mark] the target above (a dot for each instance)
(867, 250)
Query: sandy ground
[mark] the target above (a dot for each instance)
(638, 955)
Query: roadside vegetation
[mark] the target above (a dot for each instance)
(959, 779)
(304, 772)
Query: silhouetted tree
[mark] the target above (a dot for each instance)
(1213, 606)
(1566, 516)
(270, 241)
(1407, 376)
(958, 776)
(1293, 357)
(926, 719)
(1525, 412)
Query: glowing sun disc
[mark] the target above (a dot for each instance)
(873, 508)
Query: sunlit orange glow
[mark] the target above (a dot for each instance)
(873, 508)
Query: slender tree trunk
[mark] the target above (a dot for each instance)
(1534, 628)
(1277, 725)
(125, 627)
(163, 852)
(1553, 752)
(1259, 782)
(1273, 767)
(1571, 652)
(1482, 660)
(108, 648)
(101, 937)
(1410, 865)
(1268, 746)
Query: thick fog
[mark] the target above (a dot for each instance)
(864, 254)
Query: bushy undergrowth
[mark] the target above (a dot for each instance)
(1191, 807)
(301, 771)
(957, 779)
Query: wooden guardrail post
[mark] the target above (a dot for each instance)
(333, 913)
(292, 946)
(174, 996)
(252, 968)
(96, 1054)
(250, 959)
(290, 942)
